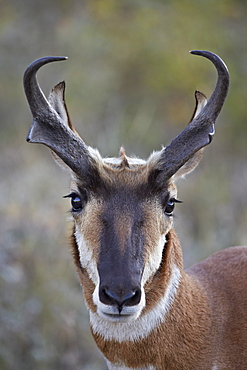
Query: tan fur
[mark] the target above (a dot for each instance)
(90, 226)
(202, 327)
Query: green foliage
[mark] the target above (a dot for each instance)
(130, 81)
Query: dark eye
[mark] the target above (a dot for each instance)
(170, 206)
(77, 202)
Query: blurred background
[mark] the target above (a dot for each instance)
(130, 81)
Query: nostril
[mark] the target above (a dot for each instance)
(119, 297)
(135, 299)
(106, 296)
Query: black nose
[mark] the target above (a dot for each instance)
(119, 297)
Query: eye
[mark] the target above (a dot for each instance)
(77, 202)
(170, 206)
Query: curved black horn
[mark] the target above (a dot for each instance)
(48, 127)
(200, 130)
(36, 99)
(219, 94)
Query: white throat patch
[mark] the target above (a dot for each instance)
(122, 367)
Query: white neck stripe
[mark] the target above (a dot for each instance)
(112, 366)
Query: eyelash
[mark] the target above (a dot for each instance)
(170, 206)
(77, 202)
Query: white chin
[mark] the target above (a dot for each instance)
(120, 318)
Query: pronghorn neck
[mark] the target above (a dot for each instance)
(172, 299)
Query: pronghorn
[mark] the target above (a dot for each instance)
(146, 311)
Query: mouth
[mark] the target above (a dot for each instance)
(118, 317)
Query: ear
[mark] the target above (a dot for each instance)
(192, 163)
(57, 101)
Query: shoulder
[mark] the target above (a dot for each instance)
(227, 264)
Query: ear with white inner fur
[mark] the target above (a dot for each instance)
(192, 163)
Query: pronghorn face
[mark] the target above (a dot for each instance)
(120, 232)
(122, 208)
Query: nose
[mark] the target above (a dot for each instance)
(120, 297)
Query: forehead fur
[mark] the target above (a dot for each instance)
(125, 171)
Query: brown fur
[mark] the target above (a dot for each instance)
(203, 328)
(202, 324)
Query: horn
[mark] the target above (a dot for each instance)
(200, 130)
(48, 127)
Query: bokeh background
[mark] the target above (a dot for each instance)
(130, 81)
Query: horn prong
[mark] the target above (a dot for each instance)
(49, 127)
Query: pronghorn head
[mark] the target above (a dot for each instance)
(122, 207)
